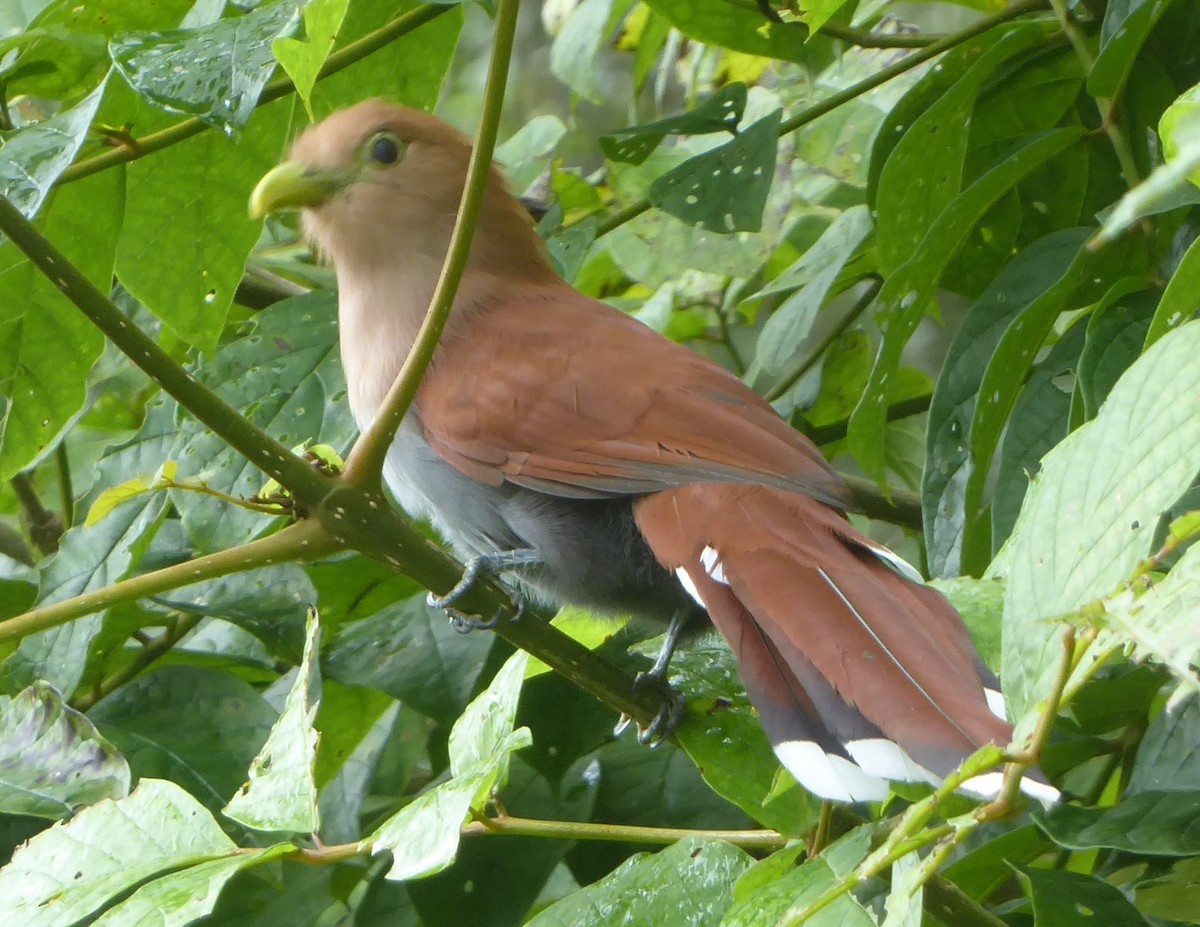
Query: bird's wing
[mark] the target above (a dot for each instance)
(563, 394)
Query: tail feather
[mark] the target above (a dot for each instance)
(859, 673)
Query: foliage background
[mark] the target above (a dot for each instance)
(954, 243)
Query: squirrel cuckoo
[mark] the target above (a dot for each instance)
(558, 438)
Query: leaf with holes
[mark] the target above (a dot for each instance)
(719, 113)
(214, 72)
(724, 189)
(281, 794)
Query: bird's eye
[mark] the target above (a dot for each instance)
(384, 148)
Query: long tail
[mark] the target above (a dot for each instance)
(860, 673)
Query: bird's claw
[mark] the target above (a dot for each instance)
(663, 724)
(472, 570)
(465, 624)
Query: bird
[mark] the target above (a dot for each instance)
(559, 440)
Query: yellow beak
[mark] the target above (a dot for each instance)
(294, 185)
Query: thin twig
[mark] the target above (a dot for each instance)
(364, 466)
(303, 540)
(66, 492)
(151, 651)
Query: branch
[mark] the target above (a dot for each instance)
(276, 89)
(151, 651)
(899, 507)
(306, 539)
(832, 102)
(255, 445)
(364, 466)
(1106, 106)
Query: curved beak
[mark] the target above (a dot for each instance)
(294, 185)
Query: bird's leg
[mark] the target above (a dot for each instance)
(492, 564)
(668, 715)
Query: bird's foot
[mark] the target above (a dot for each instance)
(465, 624)
(669, 713)
(489, 565)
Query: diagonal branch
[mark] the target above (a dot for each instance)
(253, 443)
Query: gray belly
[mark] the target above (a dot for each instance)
(591, 552)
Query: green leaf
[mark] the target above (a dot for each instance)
(739, 28)
(720, 112)
(907, 293)
(227, 723)
(924, 172)
(813, 276)
(1091, 514)
(480, 735)
(1149, 823)
(1178, 302)
(281, 794)
(423, 836)
(269, 602)
(36, 155)
(980, 871)
(1167, 758)
(818, 12)
(1170, 185)
(1008, 326)
(70, 55)
(904, 901)
(285, 376)
(1072, 899)
(214, 72)
(1174, 898)
(724, 189)
(186, 237)
(691, 880)
(411, 652)
(777, 887)
(52, 759)
(1037, 422)
(73, 869)
(719, 714)
(981, 604)
(47, 346)
(303, 58)
(1127, 25)
(573, 53)
(1116, 331)
(88, 559)
(1161, 623)
(412, 70)
(494, 882)
(180, 898)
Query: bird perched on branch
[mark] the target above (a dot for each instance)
(557, 438)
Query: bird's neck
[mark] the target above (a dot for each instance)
(386, 282)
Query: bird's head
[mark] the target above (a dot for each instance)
(378, 182)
